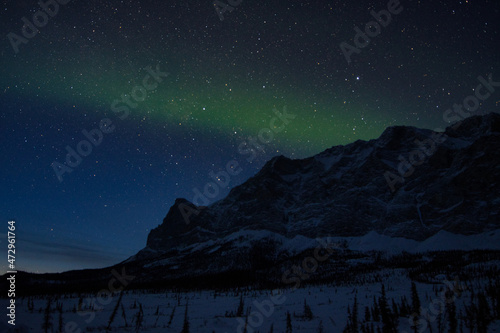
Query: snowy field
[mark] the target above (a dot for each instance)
(209, 311)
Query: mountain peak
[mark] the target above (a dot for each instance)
(173, 226)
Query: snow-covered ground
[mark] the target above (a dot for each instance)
(442, 241)
(214, 311)
(372, 241)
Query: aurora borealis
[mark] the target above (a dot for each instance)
(226, 80)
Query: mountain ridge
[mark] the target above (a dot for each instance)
(347, 183)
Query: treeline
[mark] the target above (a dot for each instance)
(448, 310)
(344, 267)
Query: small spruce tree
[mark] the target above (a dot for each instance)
(47, 318)
(185, 326)
(241, 307)
(415, 307)
(288, 322)
(307, 311)
(139, 319)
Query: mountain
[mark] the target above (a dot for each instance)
(452, 185)
(414, 188)
(410, 190)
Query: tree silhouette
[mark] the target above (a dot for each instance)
(451, 311)
(387, 318)
(185, 326)
(241, 307)
(307, 311)
(288, 323)
(415, 307)
(47, 318)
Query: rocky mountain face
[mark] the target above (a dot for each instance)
(409, 183)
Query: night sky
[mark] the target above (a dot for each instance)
(90, 68)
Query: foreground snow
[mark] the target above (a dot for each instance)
(214, 311)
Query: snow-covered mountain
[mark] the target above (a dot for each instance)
(411, 190)
(453, 185)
